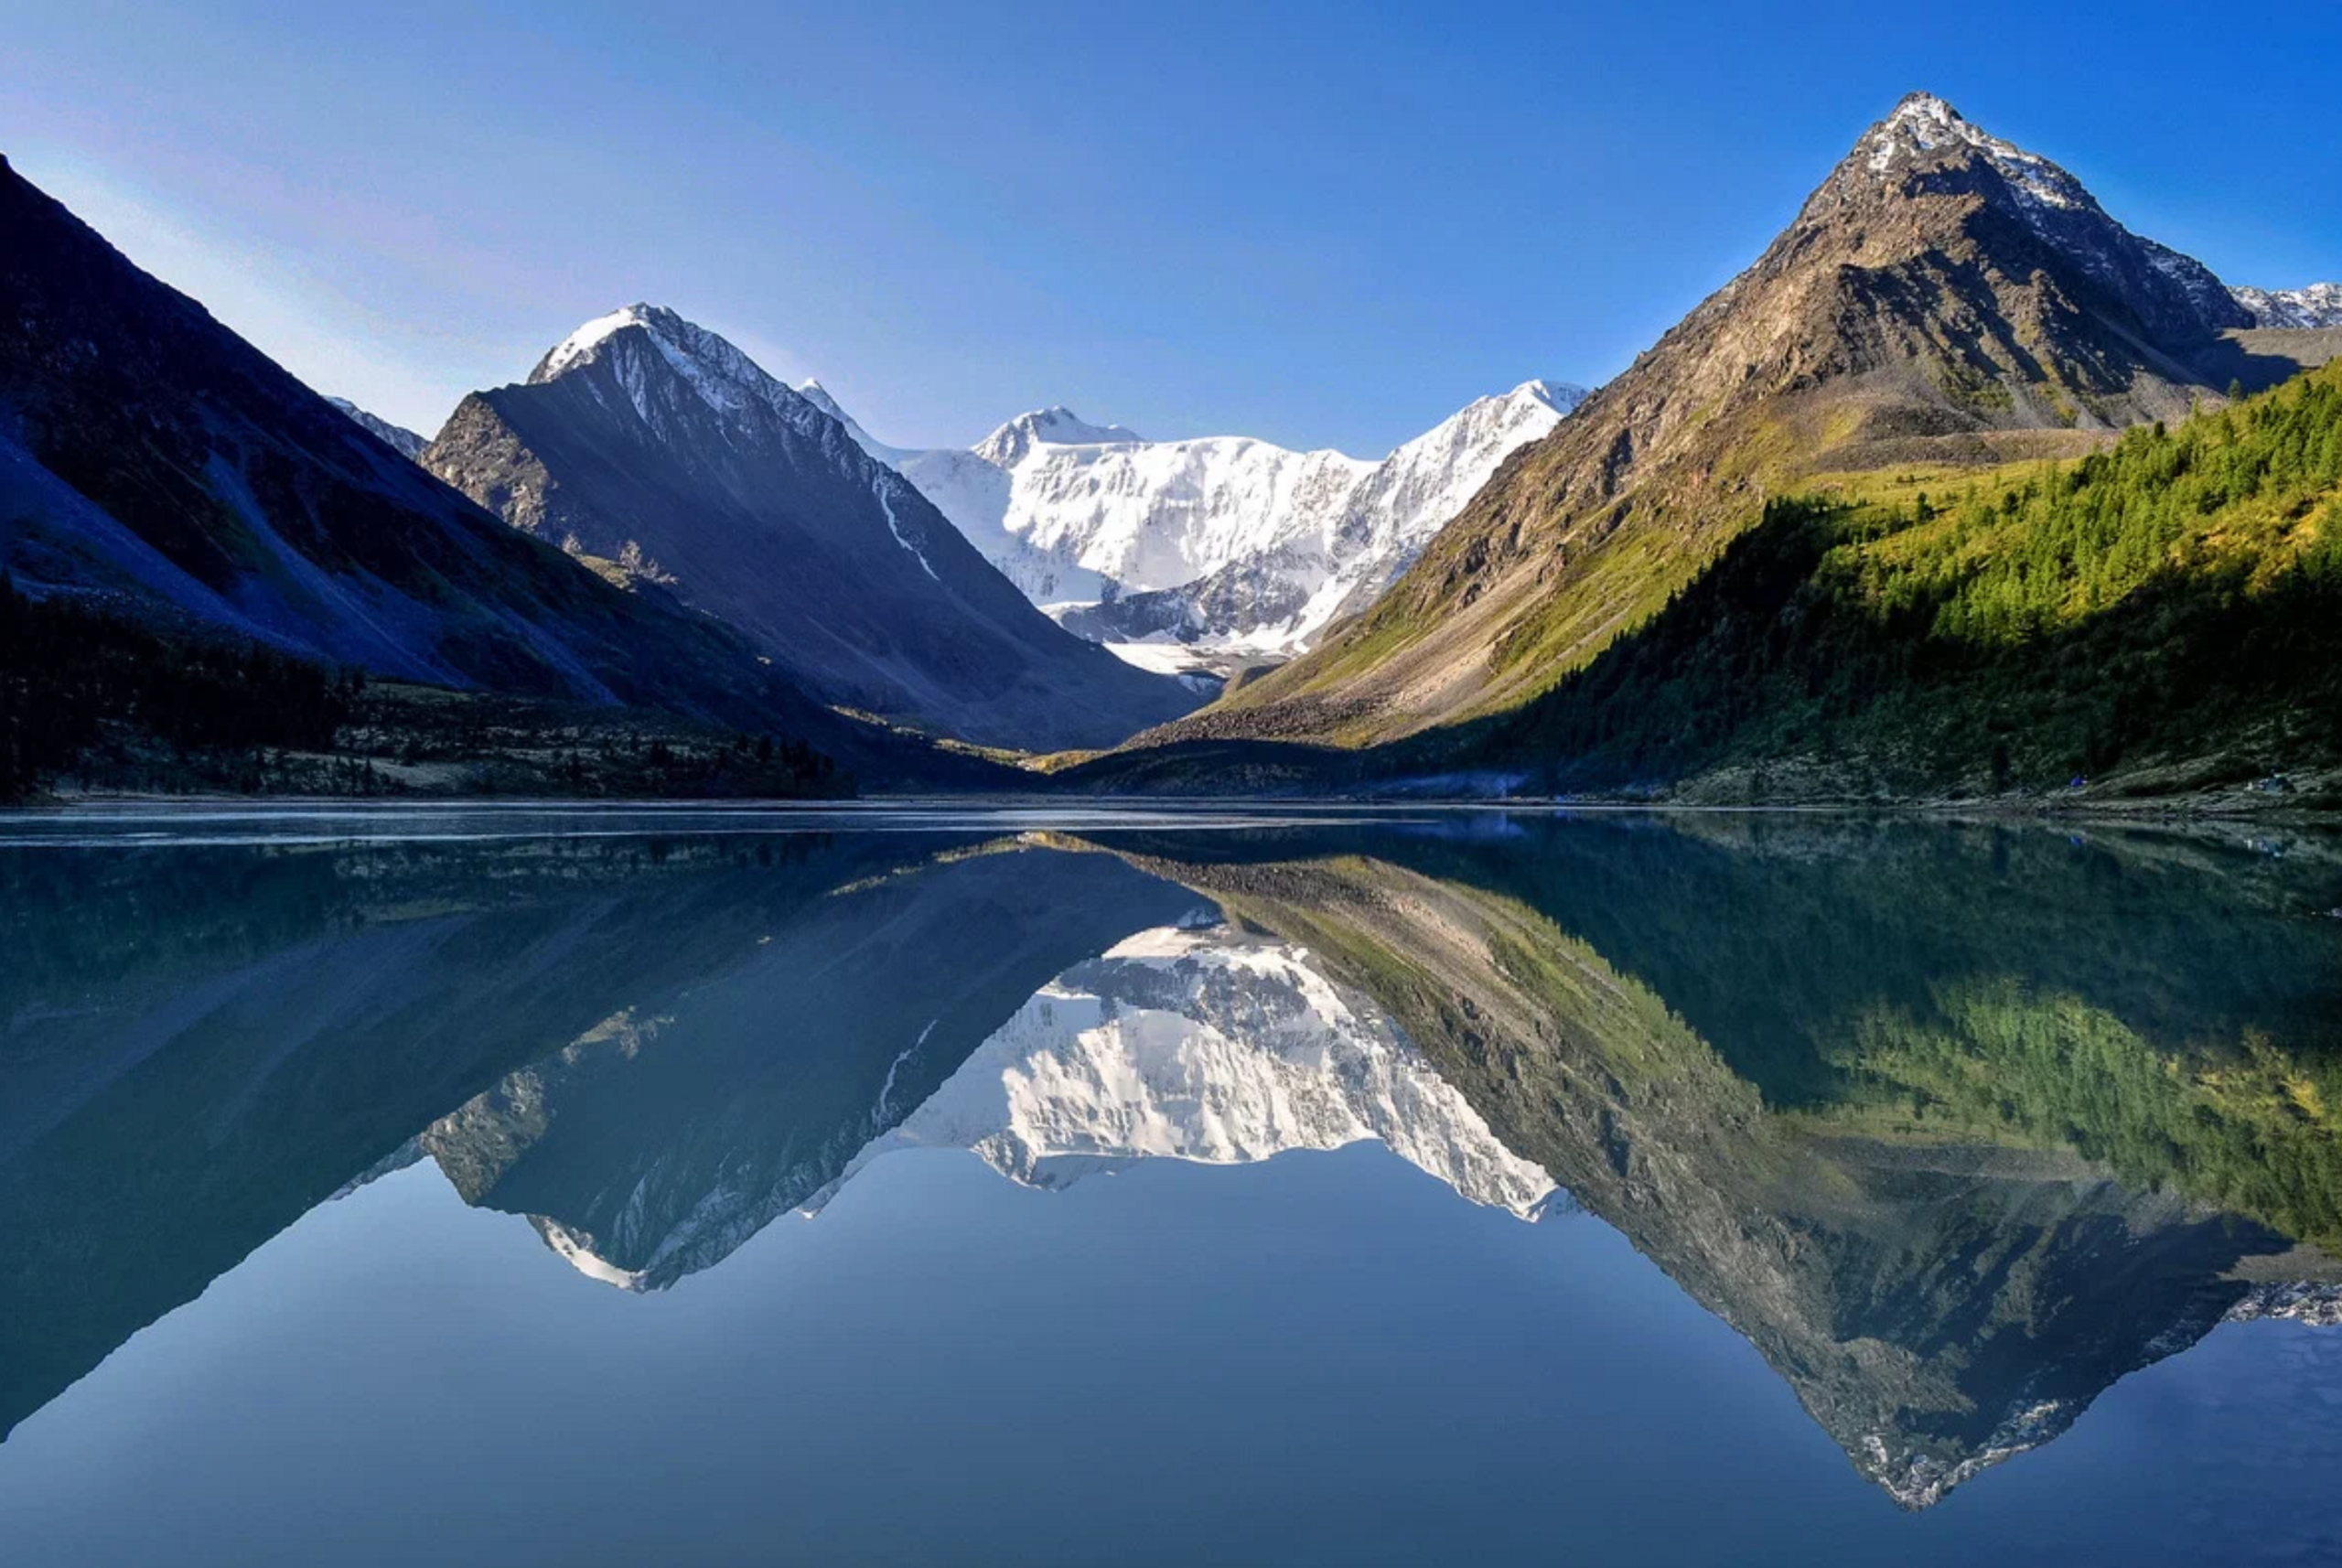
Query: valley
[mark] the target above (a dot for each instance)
(1772, 561)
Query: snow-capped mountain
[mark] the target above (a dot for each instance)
(1221, 543)
(400, 439)
(648, 443)
(1208, 1044)
(2318, 304)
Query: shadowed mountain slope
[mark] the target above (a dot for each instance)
(656, 447)
(153, 462)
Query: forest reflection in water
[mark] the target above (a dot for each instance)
(1955, 1124)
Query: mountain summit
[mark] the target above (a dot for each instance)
(652, 445)
(1943, 296)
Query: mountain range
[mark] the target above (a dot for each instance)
(1217, 546)
(1945, 303)
(653, 445)
(651, 520)
(2012, 1117)
(1205, 1043)
(152, 462)
(2316, 306)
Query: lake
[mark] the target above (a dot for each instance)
(541, 1184)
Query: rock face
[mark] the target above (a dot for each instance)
(397, 437)
(657, 448)
(1224, 543)
(151, 459)
(1943, 296)
(2316, 306)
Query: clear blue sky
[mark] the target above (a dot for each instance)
(1322, 224)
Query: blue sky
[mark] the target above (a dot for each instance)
(1327, 225)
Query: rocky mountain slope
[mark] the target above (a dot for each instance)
(1944, 297)
(2104, 608)
(656, 448)
(400, 439)
(154, 463)
(1224, 544)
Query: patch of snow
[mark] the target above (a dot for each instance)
(591, 336)
(1160, 658)
(575, 1247)
(888, 502)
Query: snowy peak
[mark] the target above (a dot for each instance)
(581, 346)
(400, 439)
(1923, 131)
(1054, 426)
(817, 394)
(725, 380)
(2319, 305)
(1559, 396)
(1926, 151)
(814, 392)
(1923, 125)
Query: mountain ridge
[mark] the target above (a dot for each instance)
(1226, 544)
(406, 443)
(2313, 307)
(1943, 296)
(154, 464)
(652, 445)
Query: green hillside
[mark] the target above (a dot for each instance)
(2173, 600)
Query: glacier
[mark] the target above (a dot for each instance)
(1222, 545)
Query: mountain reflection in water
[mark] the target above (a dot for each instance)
(1957, 1126)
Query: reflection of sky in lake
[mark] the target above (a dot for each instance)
(1257, 1255)
(1325, 1357)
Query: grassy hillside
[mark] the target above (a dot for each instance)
(2175, 599)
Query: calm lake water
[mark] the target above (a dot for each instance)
(533, 1184)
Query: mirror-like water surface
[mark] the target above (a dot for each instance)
(549, 1184)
